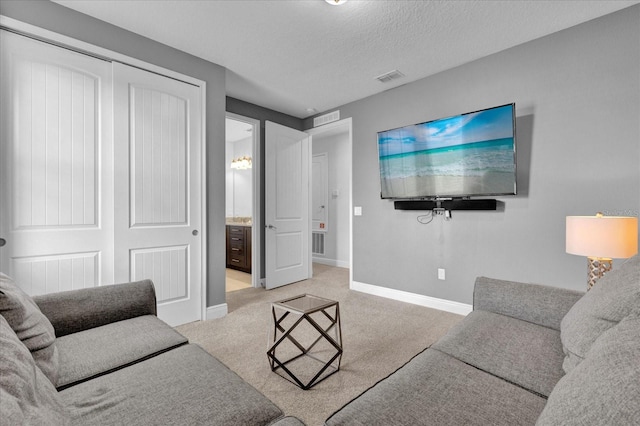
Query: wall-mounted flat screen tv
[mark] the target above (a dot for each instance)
(472, 154)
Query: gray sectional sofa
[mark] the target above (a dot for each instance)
(100, 356)
(527, 354)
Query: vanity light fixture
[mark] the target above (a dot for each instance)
(336, 2)
(241, 163)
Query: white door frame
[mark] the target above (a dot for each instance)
(93, 50)
(256, 237)
(331, 127)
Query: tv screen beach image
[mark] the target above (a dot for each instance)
(465, 155)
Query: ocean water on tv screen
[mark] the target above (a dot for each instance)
(473, 159)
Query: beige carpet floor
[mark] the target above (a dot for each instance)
(379, 336)
(237, 280)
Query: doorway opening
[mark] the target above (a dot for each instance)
(331, 194)
(241, 202)
(334, 143)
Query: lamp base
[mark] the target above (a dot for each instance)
(596, 268)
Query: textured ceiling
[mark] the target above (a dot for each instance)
(296, 55)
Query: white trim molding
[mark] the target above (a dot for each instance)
(217, 311)
(416, 299)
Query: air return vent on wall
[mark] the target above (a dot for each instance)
(317, 243)
(327, 118)
(388, 76)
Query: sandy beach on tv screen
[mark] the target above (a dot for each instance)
(418, 186)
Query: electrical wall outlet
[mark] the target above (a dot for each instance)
(357, 211)
(441, 275)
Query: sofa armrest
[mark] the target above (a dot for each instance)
(77, 310)
(538, 304)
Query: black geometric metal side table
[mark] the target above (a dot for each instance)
(305, 345)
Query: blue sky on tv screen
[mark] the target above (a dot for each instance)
(486, 125)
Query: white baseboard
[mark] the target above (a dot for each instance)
(416, 299)
(217, 311)
(330, 262)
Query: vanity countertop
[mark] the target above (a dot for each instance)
(239, 221)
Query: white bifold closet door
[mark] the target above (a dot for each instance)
(57, 172)
(158, 188)
(98, 190)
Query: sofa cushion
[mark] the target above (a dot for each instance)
(30, 325)
(523, 353)
(183, 386)
(607, 303)
(100, 350)
(27, 397)
(605, 387)
(435, 388)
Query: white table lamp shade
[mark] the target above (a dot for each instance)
(602, 236)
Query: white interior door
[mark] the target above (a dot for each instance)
(158, 188)
(56, 190)
(287, 201)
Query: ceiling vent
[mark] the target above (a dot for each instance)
(326, 118)
(388, 76)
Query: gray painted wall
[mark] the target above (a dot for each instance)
(577, 95)
(62, 20)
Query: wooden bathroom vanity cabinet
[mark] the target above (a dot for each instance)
(239, 247)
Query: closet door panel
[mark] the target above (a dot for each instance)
(158, 181)
(56, 194)
(159, 153)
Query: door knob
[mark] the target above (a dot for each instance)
(2, 242)
(195, 232)
(271, 227)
